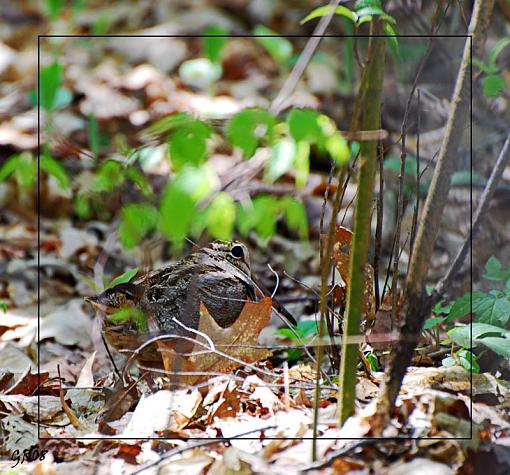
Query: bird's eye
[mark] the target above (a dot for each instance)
(237, 252)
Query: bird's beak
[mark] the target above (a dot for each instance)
(98, 306)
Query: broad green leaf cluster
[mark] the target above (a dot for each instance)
(491, 317)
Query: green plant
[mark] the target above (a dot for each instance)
(127, 314)
(121, 279)
(463, 358)
(289, 141)
(373, 360)
(52, 94)
(492, 81)
(23, 167)
(363, 12)
(304, 331)
(490, 310)
(109, 177)
(278, 47)
(203, 73)
(214, 42)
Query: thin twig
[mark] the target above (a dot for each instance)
(481, 211)
(277, 280)
(418, 176)
(379, 229)
(291, 82)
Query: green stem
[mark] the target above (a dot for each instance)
(361, 233)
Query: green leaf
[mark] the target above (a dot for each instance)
(199, 72)
(486, 68)
(93, 134)
(464, 177)
(492, 85)
(282, 156)
(260, 214)
(448, 362)
(302, 163)
(493, 270)
(338, 148)
(139, 180)
(169, 123)
(374, 4)
(221, 216)
(63, 98)
(248, 127)
(56, 169)
(178, 204)
(468, 361)
(496, 49)
(214, 41)
(304, 125)
(130, 314)
(306, 328)
(188, 144)
(480, 331)
(488, 308)
(101, 24)
(499, 345)
(50, 77)
(4, 306)
(373, 361)
(365, 14)
(123, 278)
(460, 308)
(198, 182)
(54, 7)
(279, 48)
(295, 215)
(9, 167)
(137, 219)
(89, 281)
(491, 309)
(432, 322)
(393, 164)
(326, 10)
(177, 208)
(442, 308)
(109, 176)
(392, 39)
(82, 206)
(25, 172)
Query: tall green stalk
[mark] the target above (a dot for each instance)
(371, 120)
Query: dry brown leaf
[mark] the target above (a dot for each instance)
(222, 400)
(236, 341)
(341, 257)
(243, 333)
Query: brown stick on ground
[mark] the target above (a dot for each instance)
(418, 304)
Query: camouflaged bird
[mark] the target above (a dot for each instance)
(218, 275)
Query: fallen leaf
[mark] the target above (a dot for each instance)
(243, 333)
(233, 346)
(222, 400)
(341, 258)
(21, 434)
(162, 411)
(86, 378)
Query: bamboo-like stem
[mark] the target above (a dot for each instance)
(371, 120)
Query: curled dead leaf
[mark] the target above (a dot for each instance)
(341, 257)
(217, 349)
